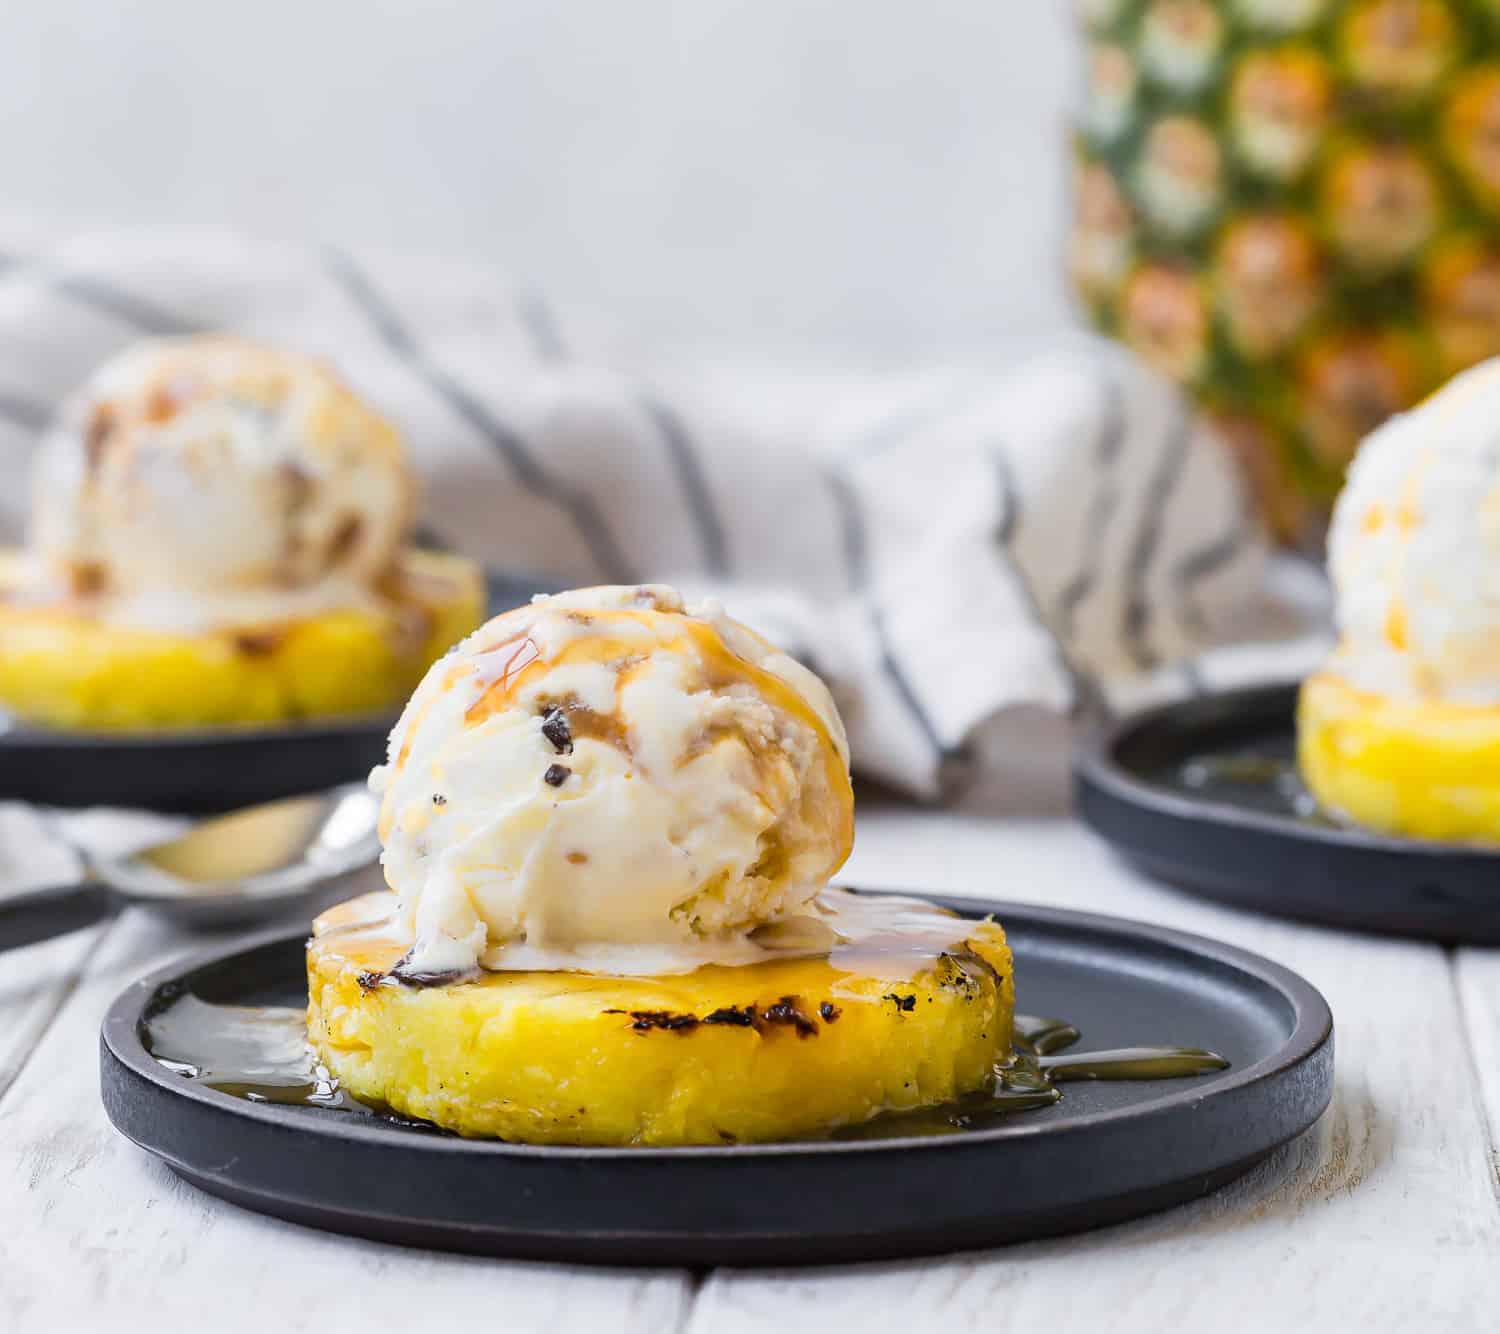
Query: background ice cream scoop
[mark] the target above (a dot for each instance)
(609, 779)
(1415, 549)
(208, 480)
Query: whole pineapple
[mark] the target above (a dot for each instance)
(1293, 207)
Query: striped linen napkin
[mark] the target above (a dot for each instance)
(947, 546)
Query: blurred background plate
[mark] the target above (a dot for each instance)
(1204, 793)
(213, 769)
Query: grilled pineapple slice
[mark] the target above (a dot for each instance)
(1420, 768)
(766, 1051)
(61, 667)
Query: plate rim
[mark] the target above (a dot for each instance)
(1312, 1030)
(1096, 763)
(26, 736)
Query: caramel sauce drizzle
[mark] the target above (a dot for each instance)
(518, 660)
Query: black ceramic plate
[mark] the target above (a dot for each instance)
(199, 771)
(1106, 1152)
(1204, 794)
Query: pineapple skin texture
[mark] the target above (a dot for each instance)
(560, 1058)
(1295, 216)
(64, 669)
(1415, 768)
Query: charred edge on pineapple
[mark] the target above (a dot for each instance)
(732, 1015)
(786, 1013)
(259, 643)
(965, 971)
(906, 1004)
(404, 973)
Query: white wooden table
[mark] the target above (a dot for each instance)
(1383, 1217)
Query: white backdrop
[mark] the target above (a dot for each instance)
(860, 181)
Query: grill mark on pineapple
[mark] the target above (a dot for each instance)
(965, 963)
(788, 1011)
(407, 976)
(728, 1014)
(259, 643)
(643, 1021)
(785, 1013)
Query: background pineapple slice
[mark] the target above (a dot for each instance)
(60, 667)
(1419, 768)
(762, 1052)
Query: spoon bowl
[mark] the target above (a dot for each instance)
(228, 871)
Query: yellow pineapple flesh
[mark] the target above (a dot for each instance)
(766, 1051)
(1420, 768)
(60, 666)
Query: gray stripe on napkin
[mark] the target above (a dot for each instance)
(1206, 560)
(24, 414)
(1160, 487)
(1006, 527)
(536, 317)
(1108, 447)
(97, 294)
(857, 556)
(398, 337)
(692, 480)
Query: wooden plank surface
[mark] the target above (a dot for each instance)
(1383, 1217)
(1476, 979)
(109, 1237)
(34, 982)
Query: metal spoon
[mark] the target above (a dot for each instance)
(227, 871)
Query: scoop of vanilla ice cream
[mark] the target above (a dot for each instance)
(1414, 549)
(209, 480)
(610, 780)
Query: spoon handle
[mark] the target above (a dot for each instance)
(40, 914)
